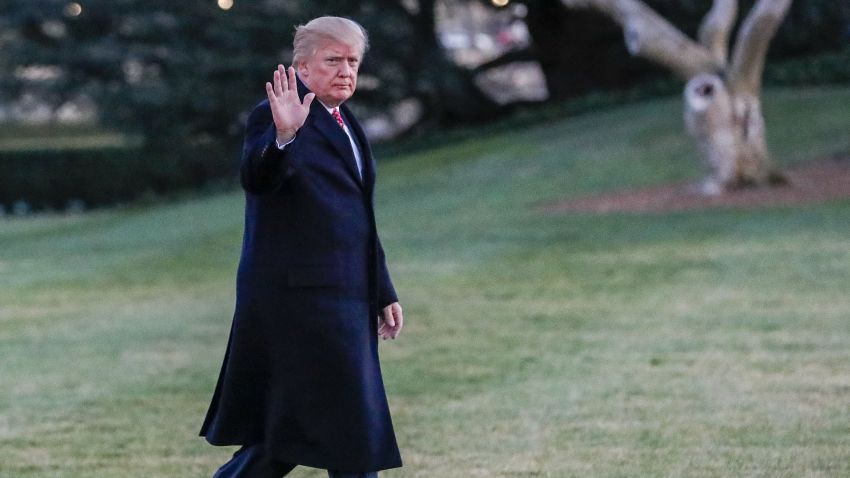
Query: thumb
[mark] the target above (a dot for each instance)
(308, 99)
(388, 317)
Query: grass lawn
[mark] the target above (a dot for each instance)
(712, 343)
(16, 139)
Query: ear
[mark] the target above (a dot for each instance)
(302, 68)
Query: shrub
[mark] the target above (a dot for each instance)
(61, 179)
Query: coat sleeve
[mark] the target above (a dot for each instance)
(386, 291)
(264, 167)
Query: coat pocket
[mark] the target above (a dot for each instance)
(312, 276)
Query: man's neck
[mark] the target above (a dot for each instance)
(327, 107)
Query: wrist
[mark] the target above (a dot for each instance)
(285, 136)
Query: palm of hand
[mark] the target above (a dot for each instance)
(288, 112)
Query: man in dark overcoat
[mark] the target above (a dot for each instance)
(301, 382)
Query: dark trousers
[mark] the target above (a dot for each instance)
(251, 461)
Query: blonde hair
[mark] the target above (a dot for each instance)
(308, 37)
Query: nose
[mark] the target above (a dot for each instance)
(345, 70)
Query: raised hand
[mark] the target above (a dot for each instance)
(288, 112)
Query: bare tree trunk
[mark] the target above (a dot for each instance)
(753, 164)
(729, 132)
(722, 97)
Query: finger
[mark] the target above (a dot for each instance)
(388, 316)
(278, 88)
(292, 83)
(399, 323)
(308, 99)
(270, 92)
(284, 81)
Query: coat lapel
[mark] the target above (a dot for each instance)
(329, 128)
(365, 149)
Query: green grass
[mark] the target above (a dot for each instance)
(711, 343)
(16, 139)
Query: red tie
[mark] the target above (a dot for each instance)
(338, 118)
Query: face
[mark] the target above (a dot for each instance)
(331, 73)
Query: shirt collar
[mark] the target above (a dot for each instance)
(329, 108)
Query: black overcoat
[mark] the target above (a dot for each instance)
(301, 371)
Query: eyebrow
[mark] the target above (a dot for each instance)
(342, 57)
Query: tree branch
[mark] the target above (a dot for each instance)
(650, 36)
(716, 28)
(752, 43)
